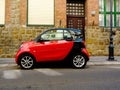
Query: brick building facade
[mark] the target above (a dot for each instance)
(23, 22)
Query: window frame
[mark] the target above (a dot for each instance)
(2, 22)
(38, 23)
(105, 13)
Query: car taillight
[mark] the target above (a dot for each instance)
(83, 42)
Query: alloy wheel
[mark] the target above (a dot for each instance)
(79, 61)
(27, 62)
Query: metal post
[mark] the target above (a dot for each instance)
(60, 23)
(111, 46)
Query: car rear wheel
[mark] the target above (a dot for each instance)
(79, 61)
(27, 61)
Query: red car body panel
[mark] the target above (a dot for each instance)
(53, 50)
(84, 51)
(46, 51)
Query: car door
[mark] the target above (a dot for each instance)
(53, 47)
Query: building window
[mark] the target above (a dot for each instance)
(40, 12)
(104, 13)
(2, 12)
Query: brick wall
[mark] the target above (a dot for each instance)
(92, 6)
(60, 13)
(98, 38)
(15, 30)
(9, 33)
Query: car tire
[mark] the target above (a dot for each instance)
(27, 61)
(78, 61)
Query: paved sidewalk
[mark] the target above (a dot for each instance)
(103, 60)
(94, 60)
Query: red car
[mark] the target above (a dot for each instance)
(54, 45)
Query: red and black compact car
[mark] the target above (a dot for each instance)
(54, 45)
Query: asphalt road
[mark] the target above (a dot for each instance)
(90, 78)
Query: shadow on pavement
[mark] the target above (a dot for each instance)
(58, 65)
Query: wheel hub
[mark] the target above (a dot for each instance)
(78, 61)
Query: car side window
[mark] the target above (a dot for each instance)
(53, 35)
(67, 34)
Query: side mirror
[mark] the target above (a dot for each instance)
(77, 34)
(39, 40)
(68, 38)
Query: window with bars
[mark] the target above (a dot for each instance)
(104, 13)
(75, 9)
(2, 12)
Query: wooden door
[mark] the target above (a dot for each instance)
(76, 22)
(76, 14)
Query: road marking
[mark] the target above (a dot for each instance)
(49, 72)
(4, 65)
(11, 74)
(114, 67)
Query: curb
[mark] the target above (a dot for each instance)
(104, 63)
(94, 61)
(8, 65)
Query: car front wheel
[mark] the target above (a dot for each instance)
(79, 61)
(27, 61)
